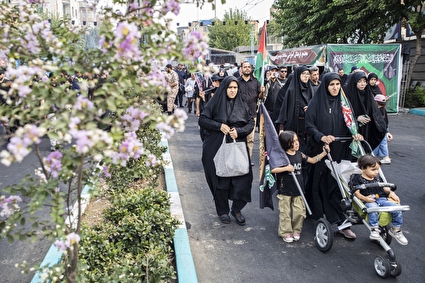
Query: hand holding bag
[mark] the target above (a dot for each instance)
(231, 159)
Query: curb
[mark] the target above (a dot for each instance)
(417, 111)
(184, 261)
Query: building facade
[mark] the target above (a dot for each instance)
(78, 11)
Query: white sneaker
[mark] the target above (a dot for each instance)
(386, 160)
(374, 234)
(288, 239)
(398, 236)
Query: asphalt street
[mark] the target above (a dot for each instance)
(254, 252)
(18, 252)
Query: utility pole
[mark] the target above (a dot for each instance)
(252, 40)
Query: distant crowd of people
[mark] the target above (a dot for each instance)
(83, 83)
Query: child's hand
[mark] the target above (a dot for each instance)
(290, 168)
(394, 197)
(369, 199)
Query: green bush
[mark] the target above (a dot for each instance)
(133, 244)
(415, 98)
(135, 169)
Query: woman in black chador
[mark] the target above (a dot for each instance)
(324, 121)
(292, 112)
(371, 124)
(226, 114)
(279, 100)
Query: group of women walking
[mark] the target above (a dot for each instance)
(317, 118)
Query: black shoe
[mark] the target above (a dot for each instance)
(225, 219)
(239, 218)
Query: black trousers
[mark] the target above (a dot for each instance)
(179, 98)
(222, 203)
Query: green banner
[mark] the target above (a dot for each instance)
(382, 59)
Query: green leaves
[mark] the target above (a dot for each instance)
(134, 239)
(338, 21)
(232, 34)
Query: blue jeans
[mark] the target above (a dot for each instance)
(382, 148)
(397, 216)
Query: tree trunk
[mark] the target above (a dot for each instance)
(416, 58)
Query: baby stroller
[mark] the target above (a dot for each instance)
(356, 213)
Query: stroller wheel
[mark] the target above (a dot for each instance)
(324, 235)
(382, 266)
(385, 235)
(395, 269)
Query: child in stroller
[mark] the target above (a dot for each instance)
(362, 176)
(365, 186)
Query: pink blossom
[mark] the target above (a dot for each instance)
(133, 6)
(31, 43)
(82, 141)
(171, 6)
(104, 45)
(23, 73)
(126, 41)
(195, 45)
(132, 118)
(33, 133)
(9, 205)
(131, 147)
(156, 78)
(83, 103)
(60, 245)
(152, 161)
(70, 240)
(167, 130)
(53, 163)
(106, 172)
(42, 177)
(24, 90)
(18, 147)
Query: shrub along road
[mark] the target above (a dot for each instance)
(254, 252)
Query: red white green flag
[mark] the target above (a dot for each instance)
(262, 58)
(350, 122)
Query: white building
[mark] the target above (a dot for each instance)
(78, 11)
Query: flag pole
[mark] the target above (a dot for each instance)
(301, 193)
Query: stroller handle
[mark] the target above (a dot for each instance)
(392, 186)
(343, 138)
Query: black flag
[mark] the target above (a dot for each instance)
(271, 155)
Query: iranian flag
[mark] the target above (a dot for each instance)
(261, 59)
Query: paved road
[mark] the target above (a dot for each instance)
(254, 253)
(33, 253)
